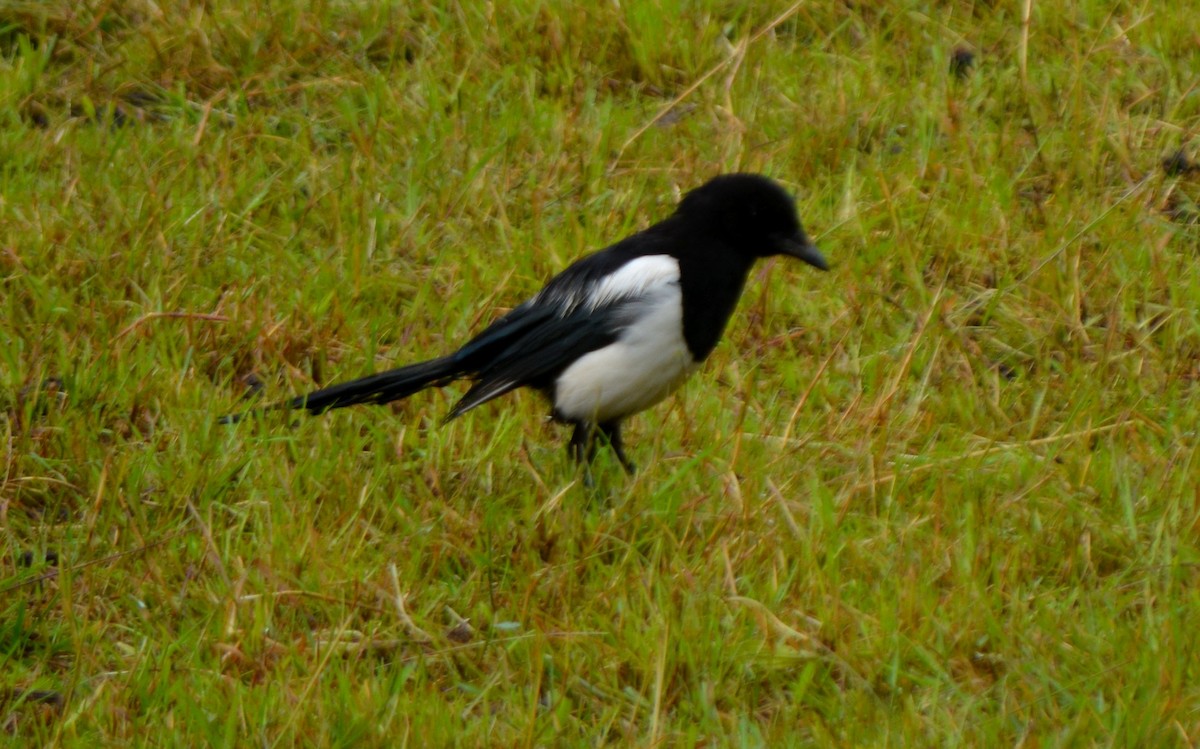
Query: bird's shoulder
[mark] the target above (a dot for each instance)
(627, 270)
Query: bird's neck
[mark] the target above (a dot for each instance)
(711, 282)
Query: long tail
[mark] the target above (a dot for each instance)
(384, 387)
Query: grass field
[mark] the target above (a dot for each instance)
(944, 495)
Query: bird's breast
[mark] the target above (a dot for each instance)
(647, 362)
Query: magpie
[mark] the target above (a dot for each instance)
(618, 330)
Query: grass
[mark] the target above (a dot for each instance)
(943, 495)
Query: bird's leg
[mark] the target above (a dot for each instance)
(582, 446)
(612, 432)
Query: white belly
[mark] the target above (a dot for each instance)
(648, 362)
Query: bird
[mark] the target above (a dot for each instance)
(618, 330)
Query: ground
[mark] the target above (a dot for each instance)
(943, 495)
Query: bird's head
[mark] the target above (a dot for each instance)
(753, 214)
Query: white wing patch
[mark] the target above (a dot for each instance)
(637, 278)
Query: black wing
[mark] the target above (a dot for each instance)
(544, 346)
(534, 343)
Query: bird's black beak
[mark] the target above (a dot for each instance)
(802, 248)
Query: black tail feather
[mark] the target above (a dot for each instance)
(384, 387)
